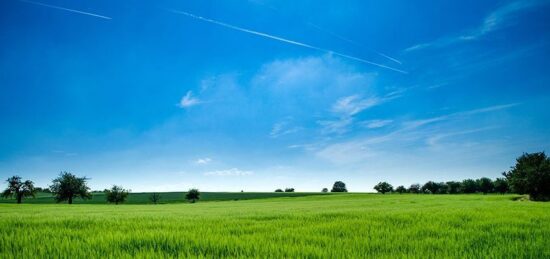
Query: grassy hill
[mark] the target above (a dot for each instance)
(327, 226)
(169, 197)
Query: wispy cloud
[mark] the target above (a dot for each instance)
(229, 172)
(374, 124)
(351, 105)
(433, 140)
(269, 36)
(203, 161)
(495, 20)
(188, 100)
(66, 9)
(282, 128)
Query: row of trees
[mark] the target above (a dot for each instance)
(481, 185)
(68, 187)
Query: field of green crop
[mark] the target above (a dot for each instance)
(168, 197)
(330, 226)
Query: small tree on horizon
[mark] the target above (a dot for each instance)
(116, 195)
(279, 190)
(469, 186)
(453, 187)
(324, 190)
(19, 189)
(414, 188)
(383, 187)
(401, 189)
(339, 186)
(154, 198)
(193, 195)
(289, 189)
(67, 186)
(485, 185)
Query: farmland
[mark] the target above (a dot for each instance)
(346, 225)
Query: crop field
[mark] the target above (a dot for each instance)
(169, 197)
(328, 226)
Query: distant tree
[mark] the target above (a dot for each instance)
(430, 187)
(192, 195)
(469, 186)
(278, 190)
(501, 185)
(443, 188)
(67, 186)
(339, 186)
(401, 189)
(453, 187)
(485, 185)
(289, 189)
(324, 190)
(154, 198)
(19, 189)
(383, 187)
(531, 175)
(116, 195)
(414, 188)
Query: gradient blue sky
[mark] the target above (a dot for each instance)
(257, 95)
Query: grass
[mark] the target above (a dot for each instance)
(331, 226)
(168, 197)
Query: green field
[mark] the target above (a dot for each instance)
(331, 226)
(168, 197)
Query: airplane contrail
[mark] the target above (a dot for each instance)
(66, 9)
(285, 40)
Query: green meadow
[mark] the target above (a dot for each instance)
(319, 226)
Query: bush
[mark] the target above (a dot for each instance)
(531, 175)
(339, 186)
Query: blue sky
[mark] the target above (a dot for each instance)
(257, 95)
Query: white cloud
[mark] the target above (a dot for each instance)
(351, 105)
(188, 100)
(229, 172)
(373, 124)
(339, 126)
(203, 161)
(283, 128)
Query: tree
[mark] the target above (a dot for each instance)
(154, 198)
(501, 185)
(469, 186)
(453, 187)
(383, 187)
(289, 189)
(430, 187)
(401, 189)
(531, 175)
(339, 186)
(414, 188)
(116, 194)
(485, 185)
(193, 195)
(278, 190)
(324, 190)
(67, 186)
(19, 189)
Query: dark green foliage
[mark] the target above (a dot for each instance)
(453, 187)
(67, 187)
(339, 186)
(279, 190)
(116, 194)
(289, 189)
(193, 195)
(430, 187)
(324, 190)
(501, 185)
(531, 175)
(414, 188)
(383, 187)
(154, 198)
(401, 189)
(469, 186)
(19, 189)
(485, 185)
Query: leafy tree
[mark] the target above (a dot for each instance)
(430, 187)
(278, 190)
(501, 185)
(67, 186)
(116, 195)
(289, 189)
(531, 175)
(414, 188)
(324, 190)
(442, 188)
(19, 189)
(453, 187)
(383, 187)
(193, 195)
(339, 186)
(469, 186)
(401, 189)
(154, 198)
(485, 185)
